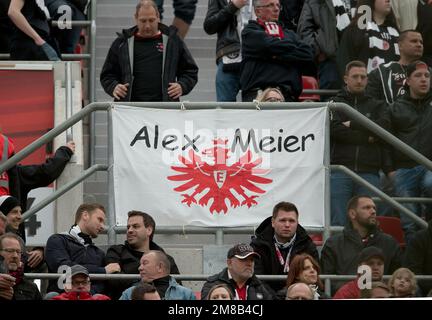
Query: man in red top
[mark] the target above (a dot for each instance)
(79, 286)
(9, 183)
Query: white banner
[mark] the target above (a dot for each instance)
(218, 167)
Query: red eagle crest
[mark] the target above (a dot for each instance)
(217, 181)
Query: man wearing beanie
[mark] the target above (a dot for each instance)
(12, 209)
(410, 118)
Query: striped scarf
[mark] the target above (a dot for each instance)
(383, 45)
(342, 11)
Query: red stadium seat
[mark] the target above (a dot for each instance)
(312, 84)
(392, 226)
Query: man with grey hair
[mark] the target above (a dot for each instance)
(148, 62)
(155, 269)
(299, 291)
(273, 56)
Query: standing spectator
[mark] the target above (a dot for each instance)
(424, 26)
(76, 246)
(227, 19)
(353, 145)
(290, 13)
(140, 229)
(387, 82)
(372, 40)
(305, 269)
(278, 239)
(145, 291)
(372, 257)
(79, 288)
(239, 276)
(418, 257)
(405, 12)
(321, 25)
(9, 182)
(340, 252)
(410, 118)
(184, 13)
(148, 62)
(67, 38)
(272, 55)
(11, 249)
(31, 39)
(6, 27)
(155, 268)
(403, 284)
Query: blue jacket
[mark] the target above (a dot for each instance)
(174, 292)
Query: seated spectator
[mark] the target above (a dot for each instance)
(11, 249)
(379, 290)
(403, 284)
(155, 269)
(272, 54)
(32, 39)
(270, 95)
(219, 292)
(372, 257)
(67, 38)
(139, 240)
(77, 247)
(299, 291)
(145, 291)
(304, 268)
(239, 276)
(340, 252)
(278, 239)
(418, 257)
(79, 286)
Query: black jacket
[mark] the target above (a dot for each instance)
(411, 121)
(179, 65)
(221, 18)
(129, 261)
(317, 27)
(418, 256)
(340, 252)
(257, 290)
(263, 244)
(290, 13)
(63, 249)
(351, 146)
(270, 61)
(26, 290)
(41, 175)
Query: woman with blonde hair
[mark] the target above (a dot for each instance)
(403, 284)
(271, 95)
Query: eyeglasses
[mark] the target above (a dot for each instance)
(273, 99)
(10, 250)
(80, 283)
(270, 5)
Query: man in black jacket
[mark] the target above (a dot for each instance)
(140, 230)
(76, 246)
(340, 252)
(273, 56)
(278, 239)
(148, 62)
(227, 19)
(410, 118)
(354, 146)
(239, 276)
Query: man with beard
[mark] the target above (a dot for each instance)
(140, 231)
(340, 252)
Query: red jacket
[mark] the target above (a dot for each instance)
(349, 290)
(6, 152)
(74, 295)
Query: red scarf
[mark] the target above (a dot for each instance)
(18, 275)
(273, 29)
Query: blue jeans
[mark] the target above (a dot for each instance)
(343, 188)
(414, 182)
(227, 85)
(328, 76)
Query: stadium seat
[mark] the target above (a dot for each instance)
(312, 84)
(392, 226)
